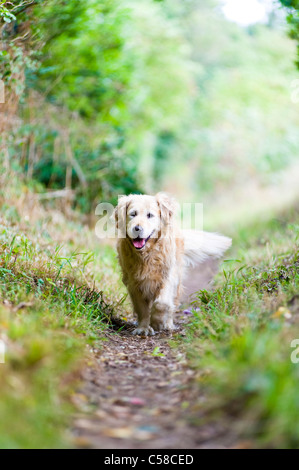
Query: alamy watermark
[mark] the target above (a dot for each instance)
(295, 354)
(2, 92)
(295, 91)
(110, 225)
(2, 352)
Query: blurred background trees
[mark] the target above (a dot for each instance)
(105, 97)
(293, 20)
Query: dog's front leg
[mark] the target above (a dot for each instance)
(163, 309)
(141, 308)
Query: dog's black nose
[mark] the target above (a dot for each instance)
(137, 228)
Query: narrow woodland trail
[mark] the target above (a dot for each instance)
(139, 393)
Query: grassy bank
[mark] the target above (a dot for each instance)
(52, 310)
(240, 341)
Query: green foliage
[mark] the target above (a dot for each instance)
(131, 91)
(241, 339)
(112, 100)
(51, 278)
(112, 78)
(15, 55)
(232, 140)
(49, 312)
(293, 19)
(6, 15)
(117, 51)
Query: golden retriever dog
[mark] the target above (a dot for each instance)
(154, 254)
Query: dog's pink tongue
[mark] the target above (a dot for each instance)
(139, 242)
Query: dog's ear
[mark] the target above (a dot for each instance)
(120, 212)
(168, 206)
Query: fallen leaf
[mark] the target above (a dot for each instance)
(118, 433)
(23, 305)
(156, 352)
(282, 311)
(137, 401)
(82, 442)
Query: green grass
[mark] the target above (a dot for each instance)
(51, 309)
(240, 341)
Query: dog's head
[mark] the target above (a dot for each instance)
(144, 219)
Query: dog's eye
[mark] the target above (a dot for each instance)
(133, 214)
(149, 215)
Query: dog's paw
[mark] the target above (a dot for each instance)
(162, 325)
(144, 331)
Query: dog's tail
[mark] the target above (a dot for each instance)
(202, 245)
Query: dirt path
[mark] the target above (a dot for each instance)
(139, 393)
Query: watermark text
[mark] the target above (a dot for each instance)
(114, 221)
(2, 92)
(2, 352)
(295, 353)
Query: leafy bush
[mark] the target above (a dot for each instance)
(293, 19)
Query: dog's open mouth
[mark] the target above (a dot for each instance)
(140, 243)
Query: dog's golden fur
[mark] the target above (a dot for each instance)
(153, 254)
